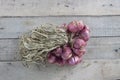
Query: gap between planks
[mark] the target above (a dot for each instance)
(58, 16)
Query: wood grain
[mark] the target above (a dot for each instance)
(88, 69)
(102, 60)
(98, 48)
(100, 26)
(58, 7)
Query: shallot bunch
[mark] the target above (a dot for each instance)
(71, 53)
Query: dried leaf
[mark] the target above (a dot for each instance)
(35, 44)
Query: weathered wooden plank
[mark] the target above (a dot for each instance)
(111, 71)
(58, 7)
(87, 70)
(9, 50)
(100, 26)
(98, 48)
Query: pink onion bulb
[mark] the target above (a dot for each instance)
(71, 53)
(78, 43)
(74, 60)
(67, 53)
(80, 25)
(85, 34)
(79, 52)
(60, 62)
(75, 26)
(58, 51)
(51, 58)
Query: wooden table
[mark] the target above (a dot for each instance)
(102, 60)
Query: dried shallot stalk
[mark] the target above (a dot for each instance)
(35, 44)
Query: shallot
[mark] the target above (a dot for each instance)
(71, 53)
(67, 53)
(75, 26)
(78, 43)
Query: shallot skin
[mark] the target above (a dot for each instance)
(75, 26)
(51, 59)
(74, 60)
(72, 27)
(78, 43)
(58, 51)
(67, 53)
(85, 34)
(80, 25)
(71, 53)
(79, 52)
(60, 62)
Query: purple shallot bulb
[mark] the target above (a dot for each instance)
(79, 52)
(72, 27)
(51, 58)
(58, 51)
(75, 26)
(67, 53)
(85, 34)
(78, 43)
(60, 62)
(80, 25)
(74, 60)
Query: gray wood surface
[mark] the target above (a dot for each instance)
(100, 26)
(102, 60)
(58, 7)
(98, 48)
(88, 69)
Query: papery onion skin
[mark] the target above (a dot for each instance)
(80, 25)
(60, 62)
(75, 26)
(85, 34)
(58, 51)
(74, 60)
(79, 52)
(78, 59)
(72, 27)
(71, 61)
(71, 52)
(78, 43)
(67, 53)
(51, 58)
(87, 28)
